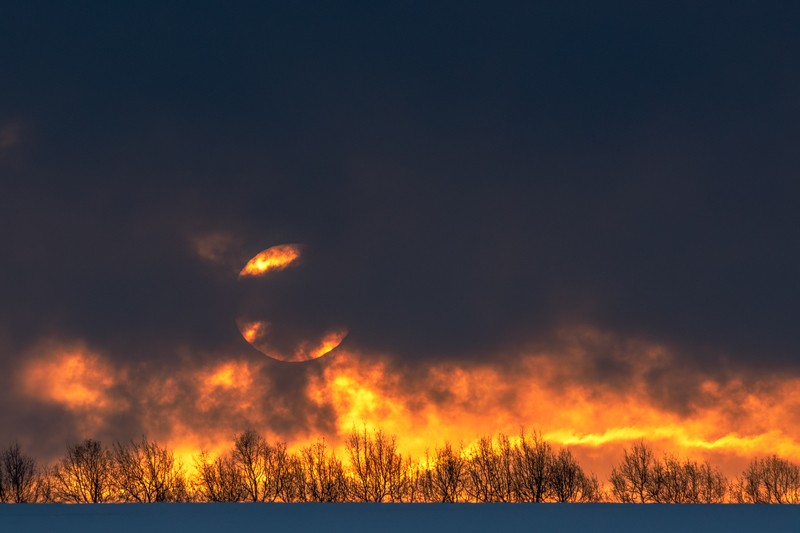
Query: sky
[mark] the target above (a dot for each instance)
(570, 216)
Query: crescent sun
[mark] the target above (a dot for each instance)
(257, 332)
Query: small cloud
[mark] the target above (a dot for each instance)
(218, 247)
(10, 135)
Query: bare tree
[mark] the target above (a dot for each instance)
(380, 472)
(532, 463)
(768, 480)
(449, 471)
(674, 481)
(320, 476)
(481, 471)
(249, 452)
(667, 483)
(84, 474)
(641, 478)
(293, 479)
(495, 469)
(592, 492)
(631, 480)
(567, 481)
(19, 480)
(3, 489)
(279, 474)
(705, 484)
(218, 480)
(45, 485)
(489, 471)
(146, 472)
(264, 468)
(443, 476)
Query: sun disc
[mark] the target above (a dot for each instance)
(261, 334)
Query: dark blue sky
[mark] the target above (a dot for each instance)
(469, 178)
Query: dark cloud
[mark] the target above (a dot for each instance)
(468, 181)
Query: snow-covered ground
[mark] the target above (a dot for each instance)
(414, 518)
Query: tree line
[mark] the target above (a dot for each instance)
(495, 469)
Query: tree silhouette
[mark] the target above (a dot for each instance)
(279, 474)
(709, 485)
(567, 481)
(631, 479)
(641, 478)
(265, 469)
(84, 474)
(494, 469)
(218, 480)
(19, 480)
(320, 476)
(380, 472)
(249, 452)
(768, 480)
(532, 462)
(674, 481)
(443, 476)
(3, 488)
(145, 472)
(489, 471)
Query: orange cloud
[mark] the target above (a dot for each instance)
(727, 421)
(72, 377)
(10, 134)
(78, 380)
(230, 385)
(214, 247)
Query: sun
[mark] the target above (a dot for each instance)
(259, 333)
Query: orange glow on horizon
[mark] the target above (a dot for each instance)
(726, 421)
(270, 260)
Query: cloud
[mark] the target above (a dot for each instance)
(203, 401)
(13, 135)
(10, 135)
(214, 247)
(70, 377)
(727, 419)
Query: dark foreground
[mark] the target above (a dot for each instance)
(414, 518)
